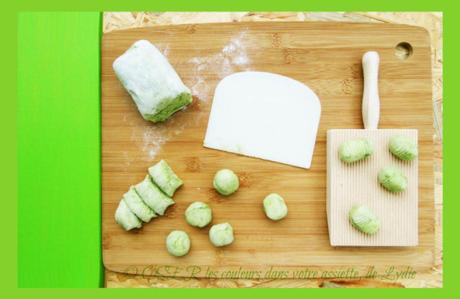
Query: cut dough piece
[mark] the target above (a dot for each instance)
(178, 243)
(221, 234)
(137, 206)
(165, 178)
(266, 116)
(126, 218)
(226, 182)
(151, 81)
(274, 206)
(152, 196)
(198, 214)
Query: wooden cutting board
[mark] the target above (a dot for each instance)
(326, 57)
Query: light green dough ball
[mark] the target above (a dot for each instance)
(221, 234)
(226, 182)
(274, 206)
(403, 147)
(178, 243)
(363, 219)
(354, 150)
(198, 214)
(392, 179)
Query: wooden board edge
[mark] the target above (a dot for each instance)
(193, 26)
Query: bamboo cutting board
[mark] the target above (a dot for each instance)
(326, 57)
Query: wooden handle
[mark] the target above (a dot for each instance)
(371, 100)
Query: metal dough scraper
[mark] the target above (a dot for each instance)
(264, 115)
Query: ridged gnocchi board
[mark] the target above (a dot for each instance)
(324, 56)
(350, 184)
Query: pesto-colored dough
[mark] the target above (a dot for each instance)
(221, 234)
(198, 214)
(274, 206)
(138, 206)
(152, 196)
(354, 150)
(226, 182)
(392, 179)
(151, 81)
(403, 147)
(363, 219)
(178, 243)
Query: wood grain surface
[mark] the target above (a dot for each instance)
(325, 56)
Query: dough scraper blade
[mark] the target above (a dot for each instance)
(264, 115)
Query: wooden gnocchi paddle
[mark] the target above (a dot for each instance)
(357, 183)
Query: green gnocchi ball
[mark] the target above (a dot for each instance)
(274, 206)
(198, 214)
(363, 219)
(392, 179)
(221, 234)
(354, 150)
(178, 243)
(403, 147)
(226, 182)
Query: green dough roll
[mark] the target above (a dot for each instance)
(403, 147)
(152, 82)
(354, 150)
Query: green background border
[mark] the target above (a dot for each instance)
(59, 149)
(451, 66)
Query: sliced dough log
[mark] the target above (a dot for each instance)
(137, 206)
(126, 218)
(152, 196)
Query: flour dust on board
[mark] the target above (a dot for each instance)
(232, 58)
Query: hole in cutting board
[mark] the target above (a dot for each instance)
(403, 50)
